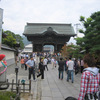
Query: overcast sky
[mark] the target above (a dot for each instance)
(18, 12)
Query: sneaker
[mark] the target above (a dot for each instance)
(72, 82)
(67, 81)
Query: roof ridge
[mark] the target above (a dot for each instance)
(48, 24)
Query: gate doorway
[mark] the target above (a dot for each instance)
(48, 49)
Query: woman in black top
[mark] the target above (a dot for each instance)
(41, 69)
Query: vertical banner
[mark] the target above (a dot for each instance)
(1, 20)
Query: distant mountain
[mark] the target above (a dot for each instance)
(25, 41)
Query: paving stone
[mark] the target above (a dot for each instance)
(51, 88)
(47, 98)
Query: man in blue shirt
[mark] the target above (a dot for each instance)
(31, 64)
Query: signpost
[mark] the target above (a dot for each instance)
(1, 18)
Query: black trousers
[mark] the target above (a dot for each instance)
(82, 67)
(41, 74)
(25, 67)
(32, 71)
(46, 67)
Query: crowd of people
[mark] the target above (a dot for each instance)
(90, 79)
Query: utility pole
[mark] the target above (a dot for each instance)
(77, 30)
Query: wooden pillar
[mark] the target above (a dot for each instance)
(59, 47)
(55, 48)
(33, 48)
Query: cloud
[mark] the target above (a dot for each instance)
(18, 12)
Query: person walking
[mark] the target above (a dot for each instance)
(76, 66)
(61, 68)
(55, 62)
(45, 63)
(90, 80)
(25, 60)
(41, 69)
(82, 65)
(52, 61)
(70, 65)
(31, 64)
(22, 62)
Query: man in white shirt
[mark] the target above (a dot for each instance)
(45, 63)
(70, 65)
(31, 64)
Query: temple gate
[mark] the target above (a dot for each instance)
(41, 34)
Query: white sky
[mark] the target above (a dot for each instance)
(18, 12)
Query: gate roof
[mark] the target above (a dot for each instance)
(39, 28)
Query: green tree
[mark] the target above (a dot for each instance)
(20, 40)
(12, 39)
(9, 40)
(91, 40)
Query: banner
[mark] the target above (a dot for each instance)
(1, 20)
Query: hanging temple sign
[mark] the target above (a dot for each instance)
(41, 34)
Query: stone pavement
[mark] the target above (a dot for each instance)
(50, 88)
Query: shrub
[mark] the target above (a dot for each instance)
(5, 95)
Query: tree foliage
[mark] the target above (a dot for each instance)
(91, 40)
(71, 51)
(20, 40)
(9, 40)
(65, 52)
(12, 39)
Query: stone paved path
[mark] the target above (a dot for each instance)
(51, 88)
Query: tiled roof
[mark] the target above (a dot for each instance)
(39, 28)
(3, 46)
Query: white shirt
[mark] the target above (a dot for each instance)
(45, 61)
(52, 60)
(70, 65)
(30, 63)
